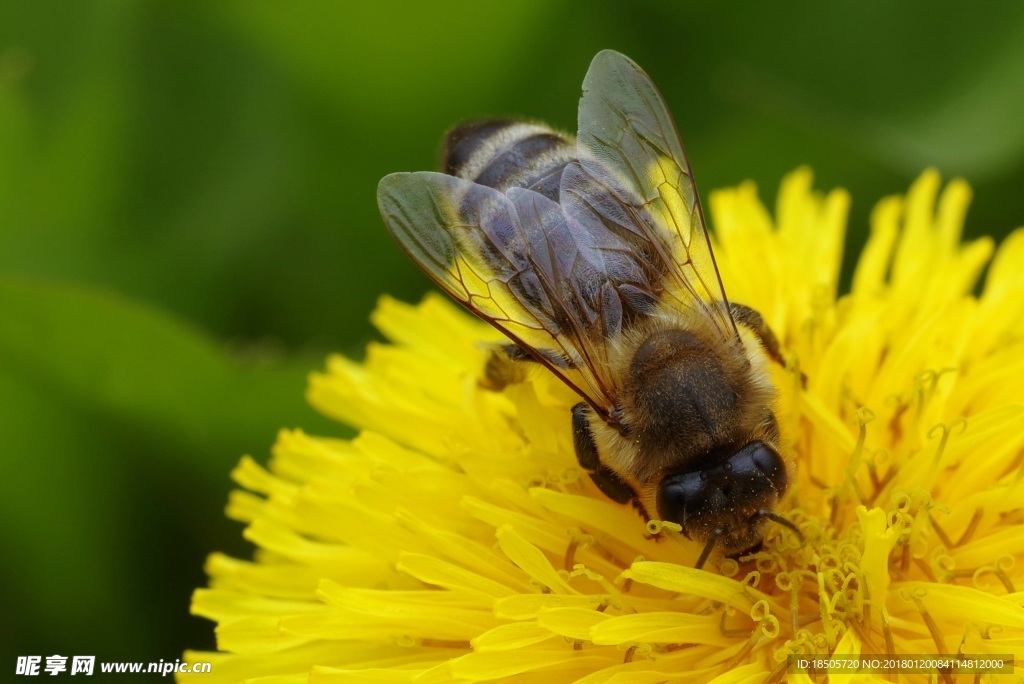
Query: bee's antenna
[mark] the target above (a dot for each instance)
(785, 522)
(709, 547)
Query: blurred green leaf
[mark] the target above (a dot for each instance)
(57, 517)
(975, 129)
(369, 58)
(144, 367)
(119, 420)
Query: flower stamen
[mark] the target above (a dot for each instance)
(999, 570)
(971, 527)
(916, 596)
(946, 429)
(741, 655)
(941, 533)
(732, 633)
(778, 673)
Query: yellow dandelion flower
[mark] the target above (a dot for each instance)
(457, 539)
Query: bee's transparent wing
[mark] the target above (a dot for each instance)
(516, 261)
(633, 176)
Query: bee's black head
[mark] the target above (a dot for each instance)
(726, 499)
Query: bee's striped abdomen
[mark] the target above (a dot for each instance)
(504, 153)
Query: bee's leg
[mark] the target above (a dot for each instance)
(708, 548)
(503, 367)
(586, 453)
(753, 320)
(741, 313)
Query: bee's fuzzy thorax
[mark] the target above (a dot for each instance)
(739, 368)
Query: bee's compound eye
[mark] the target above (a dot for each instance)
(680, 493)
(757, 458)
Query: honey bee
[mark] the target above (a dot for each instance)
(592, 256)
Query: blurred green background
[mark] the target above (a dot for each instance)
(188, 224)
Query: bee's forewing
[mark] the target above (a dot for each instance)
(514, 261)
(628, 145)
